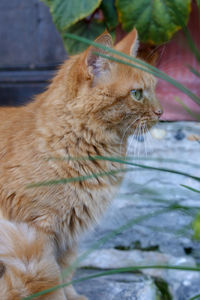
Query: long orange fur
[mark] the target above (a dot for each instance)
(27, 263)
(84, 112)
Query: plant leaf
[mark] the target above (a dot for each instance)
(110, 13)
(65, 13)
(196, 226)
(198, 3)
(85, 29)
(155, 20)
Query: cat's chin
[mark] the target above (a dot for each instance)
(150, 124)
(154, 122)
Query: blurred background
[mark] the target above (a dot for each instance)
(30, 50)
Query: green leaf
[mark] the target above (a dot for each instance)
(85, 29)
(65, 13)
(110, 13)
(155, 20)
(196, 226)
(198, 3)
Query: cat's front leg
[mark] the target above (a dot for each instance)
(65, 262)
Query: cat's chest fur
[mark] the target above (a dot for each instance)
(78, 204)
(62, 210)
(87, 206)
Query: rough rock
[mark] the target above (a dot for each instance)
(114, 259)
(140, 202)
(117, 287)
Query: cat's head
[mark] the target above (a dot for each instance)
(27, 264)
(115, 95)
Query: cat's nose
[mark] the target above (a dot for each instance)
(158, 112)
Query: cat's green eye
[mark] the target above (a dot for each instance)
(137, 94)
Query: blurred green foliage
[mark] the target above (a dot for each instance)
(155, 20)
(196, 226)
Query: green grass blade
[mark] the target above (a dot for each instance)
(189, 38)
(109, 173)
(160, 75)
(111, 235)
(119, 230)
(164, 160)
(195, 297)
(115, 271)
(191, 43)
(193, 114)
(102, 241)
(145, 167)
(78, 178)
(195, 72)
(157, 73)
(131, 158)
(190, 188)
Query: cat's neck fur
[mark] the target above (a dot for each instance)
(60, 116)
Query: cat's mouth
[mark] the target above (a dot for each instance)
(142, 127)
(146, 123)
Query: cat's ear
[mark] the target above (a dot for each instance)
(97, 65)
(129, 44)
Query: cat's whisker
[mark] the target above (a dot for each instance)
(140, 139)
(144, 136)
(124, 134)
(149, 140)
(162, 52)
(132, 138)
(135, 137)
(132, 123)
(136, 140)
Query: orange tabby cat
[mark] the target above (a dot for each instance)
(84, 112)
(27, 263)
